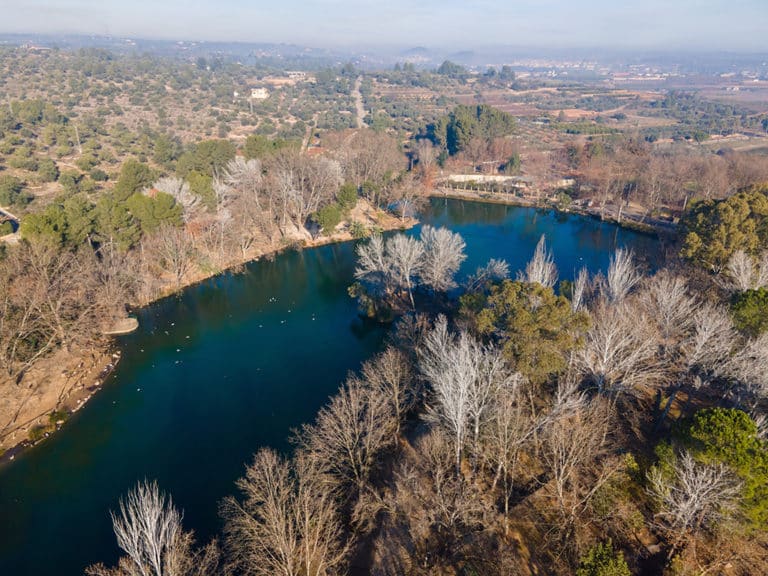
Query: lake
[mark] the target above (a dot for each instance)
(230, 365)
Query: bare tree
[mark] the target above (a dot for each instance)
(693, 498)
(580, 290)
(426, 155)
(404, 260)
(172, 251)
(619, 350)
(245, 176)
(349, 435)
(372, 265)
(511, 426)
(49, 298)
(445, 363)
(493, 271)
(405, 195)
(368, 156)
(149, 531)
(443, 254)
(575, 452)
(749, 366)
(181, 192)
(713, 338)
(465, 377)
(491, 375)
(743, 272)
(287, 523)
(147, 528)
(667, 301)
(390, 373)
(541, 269)
(623, 275)
(301, 185)
(431, 509)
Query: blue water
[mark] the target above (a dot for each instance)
(233, 364)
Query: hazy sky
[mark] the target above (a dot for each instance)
(714, 24)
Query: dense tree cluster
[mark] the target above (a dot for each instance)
(455, 132)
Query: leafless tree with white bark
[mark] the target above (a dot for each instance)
(492, 271)
(180, 190)
(695, 497)
(580, 291)
(712, 340)
(743, 272)
(541, 269)
(443, 254)
(667, 301)
(404, 257)
(623, 275)
(149, 531)
(620, 349)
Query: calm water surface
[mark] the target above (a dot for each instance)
(233, 364)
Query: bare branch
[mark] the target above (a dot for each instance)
(443, 254)
(622, 275)
(541, 269)
(694, 497)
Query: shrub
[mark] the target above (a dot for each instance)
(328, 217)
(730, 436)
(750, 311)
(602, 560)
(347, 197)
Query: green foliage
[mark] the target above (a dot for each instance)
(602, 560)
(359, 230)
(12, 192)
(448, 68)
(347, 197)
(37, 432)
(260, 146)
(115, 223)
(79, 216)
(454, 131)
(207, 157)
(47, 170)
(536, 328)
(49, 226)
(156, 211)
(750, 311)
(98, 175)
(66, 223)
(166, 150)
(6, 228)
(202, 185)
(731, 437)
(713, 230)
(512, 166)
(134, 177)
(57, 416)
(328, 217)
(28, 111)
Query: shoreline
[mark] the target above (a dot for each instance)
(94, 365)
(651, 226)
(89, 377)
